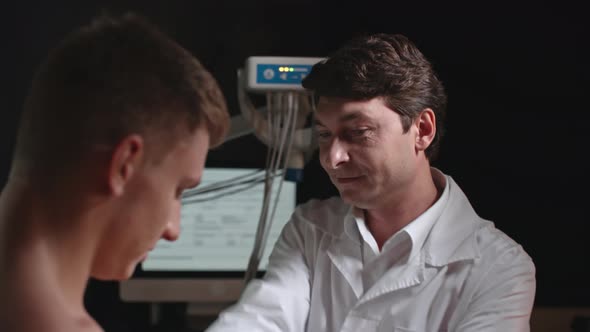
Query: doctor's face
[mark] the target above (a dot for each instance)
(364, 150)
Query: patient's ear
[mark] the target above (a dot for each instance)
(125, 161)
(426, 124)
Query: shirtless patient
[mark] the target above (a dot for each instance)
(117, 123)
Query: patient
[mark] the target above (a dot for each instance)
(117, 123)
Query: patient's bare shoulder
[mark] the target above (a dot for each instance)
(24, 312)
(47, 321)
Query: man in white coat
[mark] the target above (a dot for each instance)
(401, 249)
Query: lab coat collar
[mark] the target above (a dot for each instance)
(346, 256)
(452, 238)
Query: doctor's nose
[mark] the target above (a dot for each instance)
(335, 154)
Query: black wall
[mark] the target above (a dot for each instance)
(517, 77)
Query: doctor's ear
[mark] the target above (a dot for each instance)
(125, 160)
(426, 125)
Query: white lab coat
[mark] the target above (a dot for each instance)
(469, 276)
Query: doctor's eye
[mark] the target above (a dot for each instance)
(358, 132)
(324, 134)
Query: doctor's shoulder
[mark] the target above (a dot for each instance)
(495, 246)
(501, 261)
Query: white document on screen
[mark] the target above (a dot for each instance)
(218, 230)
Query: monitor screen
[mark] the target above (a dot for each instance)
(218, 224)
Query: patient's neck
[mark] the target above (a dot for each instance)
(41, 241)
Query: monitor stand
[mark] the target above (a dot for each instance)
(184, 317)
(168, 317)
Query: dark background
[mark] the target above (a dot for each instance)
(517, 75)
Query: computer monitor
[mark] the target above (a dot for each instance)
(206, 265)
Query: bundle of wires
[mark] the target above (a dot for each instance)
(282, 109)
(223, 188)
(281, 114)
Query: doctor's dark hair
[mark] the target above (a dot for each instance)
(387, 66)
(112, 78)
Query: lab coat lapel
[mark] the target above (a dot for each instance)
(452, 238)
(398, 277)
(346, 257)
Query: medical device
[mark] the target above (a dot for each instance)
(288, 106)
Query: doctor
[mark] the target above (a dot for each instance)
(401, 249)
